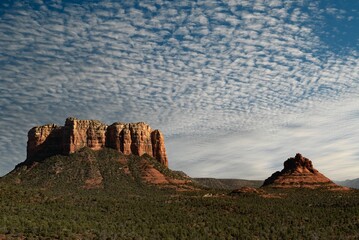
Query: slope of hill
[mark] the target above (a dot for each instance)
(103, 169)
(108, 195)
(229, 184)
(353, 183)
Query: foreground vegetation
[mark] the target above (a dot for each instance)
(126, 208)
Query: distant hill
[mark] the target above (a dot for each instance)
(353, 183)
(228, 184)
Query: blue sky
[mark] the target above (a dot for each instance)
(237, 87)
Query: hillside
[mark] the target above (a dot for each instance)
(228, 184)
(104, 169)
(104, 195)
(354, 183)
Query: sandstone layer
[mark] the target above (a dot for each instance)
(299, 172)
(128, 138)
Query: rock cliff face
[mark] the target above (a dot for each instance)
(299, 172)
(83, 133)
(158, 147)
(44, 141)
(128, 138)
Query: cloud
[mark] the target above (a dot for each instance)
(191, 69)
(329, 138)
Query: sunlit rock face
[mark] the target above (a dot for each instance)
(83, 133)
(128, 138)
(138, 139)
(298, 172)
(158, 147)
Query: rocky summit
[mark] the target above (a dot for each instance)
(127, 138)
(298, 172)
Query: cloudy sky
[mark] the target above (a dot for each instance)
(236, 86)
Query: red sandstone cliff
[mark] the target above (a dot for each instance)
(128, 138)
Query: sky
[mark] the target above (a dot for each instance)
(236, 86)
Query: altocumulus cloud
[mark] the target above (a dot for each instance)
(236, 86)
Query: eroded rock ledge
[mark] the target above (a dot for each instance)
(128, 138)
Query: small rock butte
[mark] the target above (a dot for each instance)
(128, 138)
(299, 172)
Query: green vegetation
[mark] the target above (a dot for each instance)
(228, 184)
(50, 202)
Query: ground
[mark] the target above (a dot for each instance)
(125, 207)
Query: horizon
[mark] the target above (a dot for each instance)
(236, 87)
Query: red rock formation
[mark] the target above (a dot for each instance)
(128, 138)
(44, 141)
(115, 137)
(299, 172)
(137, 138)
(83, 133)
(245, 190)
(150, 174)
(140, 138)
(158, 147)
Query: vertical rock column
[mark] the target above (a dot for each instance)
(158, 147)
(126, 141)
(96, 135)
(140, 138)
(130, 138)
